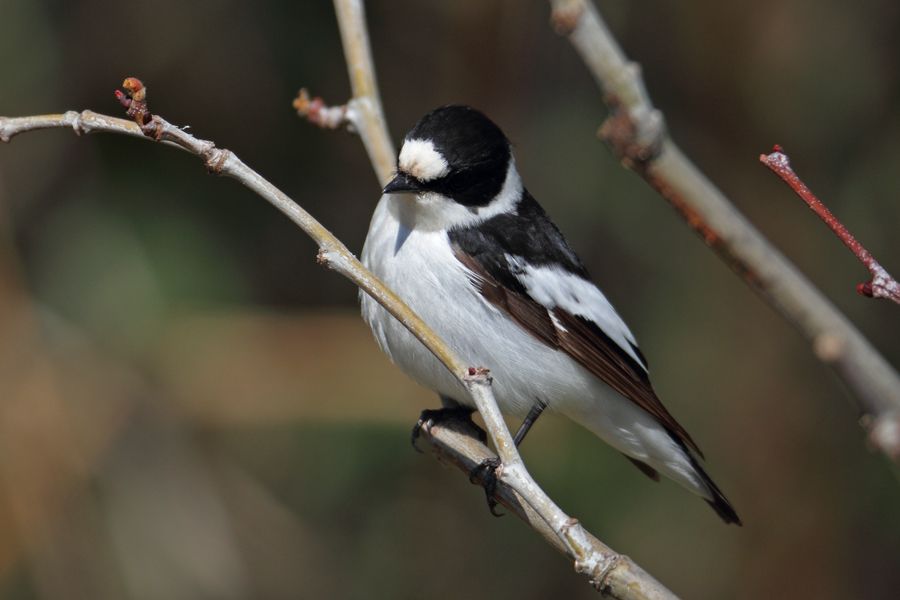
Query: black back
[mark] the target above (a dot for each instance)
(528, 233)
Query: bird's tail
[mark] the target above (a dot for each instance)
(713, 496)
(652, 447)
(718, 501)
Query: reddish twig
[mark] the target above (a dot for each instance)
(882, 284)
(318, 113)
(639, 137)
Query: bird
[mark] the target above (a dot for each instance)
(458, 237)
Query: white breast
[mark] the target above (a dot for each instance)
(420, 266)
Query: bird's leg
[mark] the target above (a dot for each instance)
(450, 410)
(486, 472)
(530, 419)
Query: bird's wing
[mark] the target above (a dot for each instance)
(557, 304)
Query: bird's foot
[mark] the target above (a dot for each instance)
(485, 474)
(459, 414)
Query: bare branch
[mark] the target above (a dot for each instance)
(318, 113)
(80, 122)
(636, 134)
(603, 566)
(456, 443)
(598, 561)
(368, 115)
(882, 285)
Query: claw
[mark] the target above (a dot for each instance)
(432, 416)
(426, 419)
(487, 471)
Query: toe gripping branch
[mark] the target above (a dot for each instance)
(485, 475)
(459, 418)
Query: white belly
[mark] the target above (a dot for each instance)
(419, 265)
(421, 268)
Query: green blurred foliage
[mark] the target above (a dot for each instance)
(178, 432)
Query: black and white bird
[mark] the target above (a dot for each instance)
(461, 240)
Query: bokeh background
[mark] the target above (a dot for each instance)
(191, 408)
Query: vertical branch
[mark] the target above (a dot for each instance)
(366, 112)
(607, 569)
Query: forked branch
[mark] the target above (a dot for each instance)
(606, 569)
(636, 133)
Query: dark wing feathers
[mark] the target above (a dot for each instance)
(584, 341)
(644, 467)
(483, 248)
(518, 305)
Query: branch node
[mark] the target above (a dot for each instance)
(569, 524)
(884, 434)
(636, 149)
(478, 376)
(777, 159)
(134, 99)
(215, 159)
(599, 568)
(73, 119)
(318, 113)
(322, 258)
(354, 115)
(335, 259)
(828, 347)
(565, 16)
(882, 284)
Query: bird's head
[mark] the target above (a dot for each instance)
(456, 158)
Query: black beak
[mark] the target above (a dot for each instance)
(402, 183)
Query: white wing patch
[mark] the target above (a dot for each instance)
(420, 159)
(555, 287)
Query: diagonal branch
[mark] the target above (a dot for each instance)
(606, 569)
(636, 133)
(882, 285)
(456, 443)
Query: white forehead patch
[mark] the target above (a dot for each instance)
(420, 159)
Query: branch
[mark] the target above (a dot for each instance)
(318, 113)
(882, 285)
(636, 133)
(83, 122)
(455, 442)
(366, 116)
(606, 569)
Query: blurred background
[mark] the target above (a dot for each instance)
(191, 408)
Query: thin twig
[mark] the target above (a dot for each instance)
(80, 122)
(636, 134)
(882, 285)
(318, 113)
(365, 107)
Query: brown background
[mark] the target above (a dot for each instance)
(191, 408)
